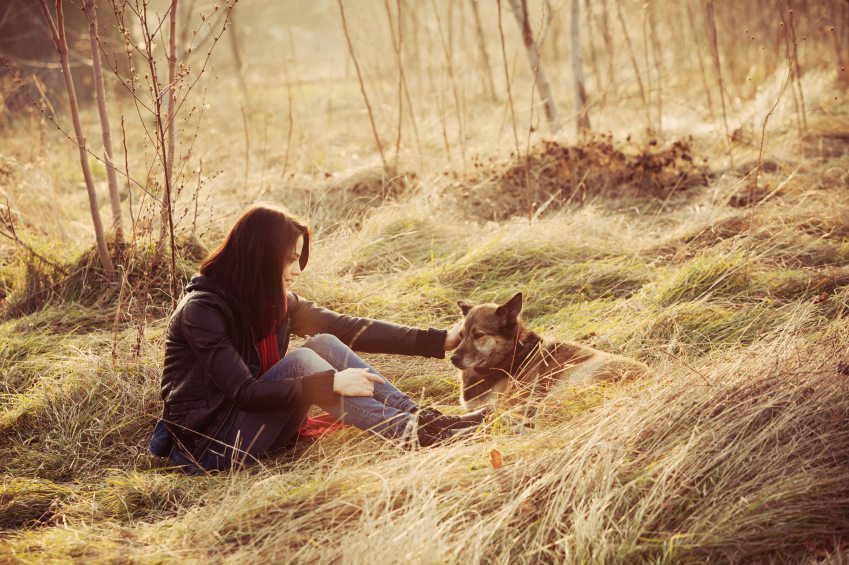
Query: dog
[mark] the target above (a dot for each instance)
(502, 363)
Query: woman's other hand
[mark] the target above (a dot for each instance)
(452, 340)
(355, 382)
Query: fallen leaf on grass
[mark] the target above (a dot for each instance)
(820, 298)
(495, 457)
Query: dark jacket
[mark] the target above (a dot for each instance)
(212, 363)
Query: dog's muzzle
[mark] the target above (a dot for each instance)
(457, 361)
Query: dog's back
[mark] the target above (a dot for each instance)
(502, 362)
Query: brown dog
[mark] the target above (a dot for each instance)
(502, 362)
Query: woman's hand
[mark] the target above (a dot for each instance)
(452, 340)
(355, 382)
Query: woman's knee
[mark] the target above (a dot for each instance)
(324, 343)
(308, 360)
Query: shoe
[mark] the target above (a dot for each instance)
(433, 427)
(436, 432)
(429, 415)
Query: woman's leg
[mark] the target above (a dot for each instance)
(365, 412)
(251, 435)
(340, 356)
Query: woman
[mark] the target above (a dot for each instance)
(231, 393)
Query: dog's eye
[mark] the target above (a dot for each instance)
(477, 335)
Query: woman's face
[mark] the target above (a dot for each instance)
(293, 266)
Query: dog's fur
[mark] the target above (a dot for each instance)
(502, 362)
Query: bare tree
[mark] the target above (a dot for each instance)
(838, 52)
(634, 61)
(57, 31)
(362, 85)
(520, 10)
(172, 87)
(100, 92)
(235, 42)
(403, 90)
(591, 42)
(403, 74)
(658, 62)
(714, 45)
(700, 57)
(486, 68)
(164, 128)
(608, 43)
(507, 79)
(448, 50)
(581, 116)
(793, 54)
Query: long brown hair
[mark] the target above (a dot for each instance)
(249, 263)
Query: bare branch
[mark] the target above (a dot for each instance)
(362, 85)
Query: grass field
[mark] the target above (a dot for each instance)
(735, 291)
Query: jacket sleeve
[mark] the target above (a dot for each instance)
(205, 329)
(364, 334)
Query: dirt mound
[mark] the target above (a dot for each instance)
(555, 175)
(345, 198)
(42, 280)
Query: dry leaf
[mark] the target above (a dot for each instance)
(495, 457)
(820, 298)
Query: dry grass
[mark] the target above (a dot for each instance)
(735, 450)
(736, 295)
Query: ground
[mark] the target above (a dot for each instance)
(720, 262)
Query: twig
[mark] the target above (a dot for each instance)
(290, 119)
(448, 51)
(7, 222)
(127, 176)
(247, 147)
(707, 382)
(487, 68)
(507, 79)
(362, 85)
(633, 61)
(790, 36)
(396, 47)
(754, 187)
(658, 64)
(700, 57)
(410, 110)
(714, 44)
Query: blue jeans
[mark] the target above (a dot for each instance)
(254, 434)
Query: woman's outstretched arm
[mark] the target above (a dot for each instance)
(364, 334)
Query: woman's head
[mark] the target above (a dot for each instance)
(255, 258)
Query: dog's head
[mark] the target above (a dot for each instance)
(489, 333)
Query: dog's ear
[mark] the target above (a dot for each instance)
(464, 306)
(511, 309)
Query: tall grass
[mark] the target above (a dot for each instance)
(735, 449)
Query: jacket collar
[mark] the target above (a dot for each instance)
(204, 283)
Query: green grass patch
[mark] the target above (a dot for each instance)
(587, 317)
(79, 417)
(25, 502)
(399, 244)
(706, 276)
(703, 326)
(132, 495)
